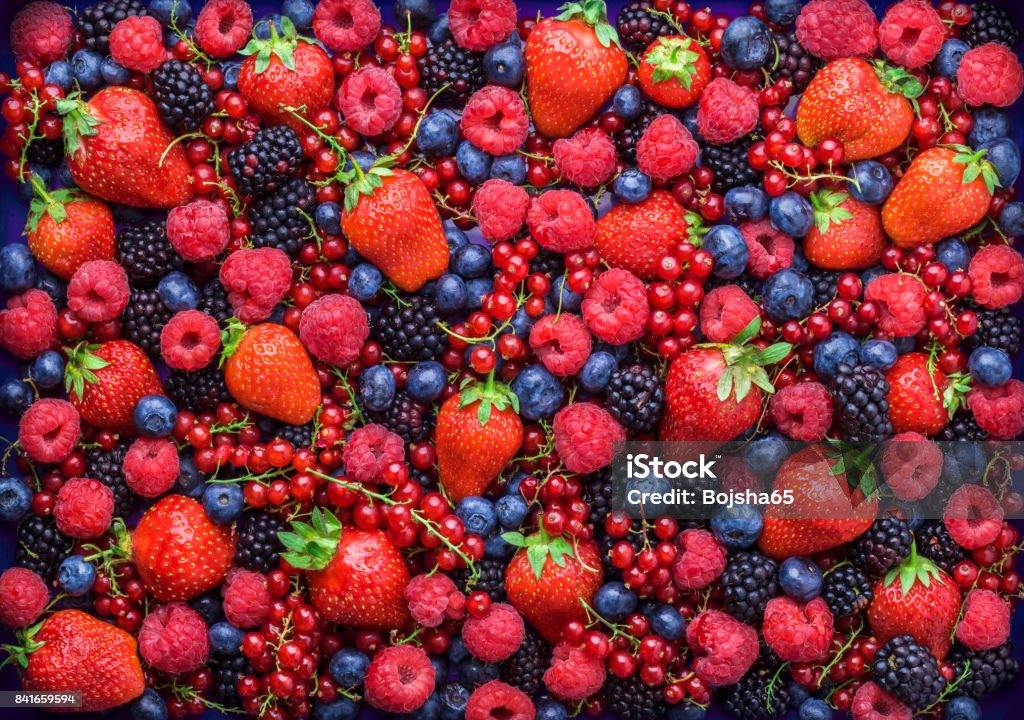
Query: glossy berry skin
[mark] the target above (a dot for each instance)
(15, 498)
(637, 236)
(914, 403)
(871, 182)
(76, 576)
(310, 84)
(800, 578)
(84, 232)
(110, 399)
(989, 366)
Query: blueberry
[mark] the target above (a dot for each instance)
(261, 30)
(477, 288)
(816, 709)
(225, 638)
(456, 239)
(450, 292)
(505, 65)
(155, 416)
(872, 273)
(76, 575)
(539, 392)
(300, 12)
(42, 172)
(737, 527)
(746, 203)
(472, 261)
(86, 65)
(765, 454)
(746, 43)
(114, 74)
(666, 622)
(47, 370)
(787, 295)
(223, 502)
(328, 218)
(59, 73)
(989, 124)
(727, 247)
(686, 711)
(904, 345)
(947, 62)
(879, 353)
(15, 499)
(231, 70)
(548, 709)
(511, 168)
(17, 269)
(497, 547)
(341, 708)
(870, 182)
(511, 510)
(954, 253)
(166, 10)
(365, 281)
(990, 366)
(782, 12)
(792, 214)
(429, 710)
(473, 672)
(474, 164)
(438, 135)
(426, 381)
(149, 706)
(191, 482)
(1005, 156)
(563, 297)
(477, 515)
(628, 102)
(614, 601)
(439, 30)
(837, 349)
(454, 698)
(15, 397)
(418, 13)
(178, 291)
(597, 371)
(348, 667)
(800, 578)
(962, 462)
(631, 186)
(376, 388)
(1011, 219)
(963, 708)
(53, 286)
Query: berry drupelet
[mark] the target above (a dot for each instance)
(261, 165)
(759, 695)
(525, 669)
(883, 546)
(491, 579)
(635, 397)
(989, 670)
(626, 141)
(408, 329)
(258, 546)
(632, 699)
(97, 21)
(182, 98)
(226, 673)
(825, 283)
(963, 426)
(107, 466)
(745, 282)
(846, 590)
(144, 318)
(300, 436)
(45, 152)
(792, 62)
(409, 419)
(41, 546)
(639, 24)
(861, 403)
(999, 329)
(281, 218)
(990, 23)
(749, 582)
(548, 263)
(730, 166)
(909, 671)
(449, 64)
(213, 300)
(203, 389)
(597, 492)
(935, 543)
(146, 254)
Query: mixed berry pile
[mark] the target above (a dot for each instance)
(328, 330)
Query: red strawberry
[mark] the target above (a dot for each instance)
(636, 237)
(916, 389)
(847, 234)
(674, 71)
(66, 229)
(105, 383)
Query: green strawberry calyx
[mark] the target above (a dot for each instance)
(673, 58)
(955, 392)
(78, 122)
(976, 166)
(312, 545)
(282, 45)
(827, 210)
(490, 395)
(26, 645)
(539, 547)
(899, 81)
(82, 362)
(916, 568)
(595, 14)
(52, 203)
(230, 337)
(745, 363)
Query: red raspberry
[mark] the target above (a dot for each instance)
(433, 599)
(256, 279)
(29, 324)
(495, 120)
(334, 328)
(727, 111)
(724, 647)
(346, 25)
(973, 516)
(796, 631)
(562, 343)
(770, 250)
(997, 276)
(190, 340)
(479, 24)
(701, 561)
(999, 411)
(802, 411)
(615, 307)
(500, 208)
(199, 231)
(666, 149)
(151, 466)
(246, 599)
(587, 158)
(370, 450)
(370, 100)
(23, 597)
(871, 702)
(49, 430)
(495, 636)
(173, 638)
(725, 312)
(41, 32)
(574, 673)
(137, 43)
(561, 221)
(830, 29)
(737, 476)
(986, 621)
(496, 700)
(585, 436)
(911, 464)
(990, 74)
(84, 509)
(400, 679)
(98, 291)
(911, 33)
(900, 300)
(223, 27)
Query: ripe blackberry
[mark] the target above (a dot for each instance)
(597, 492)
(749, 582)
(935, 543)
(408, 329)
(182, 98)
(300, 436)
(258, 546)
(883, 546)
(626, 141)
(452, 65)
(143, 320)
(729, 163)
(45, 152)
(635, 397)
(861, 406)
(847, 591)
(963, 426)
(146, 253)
(792, 61)
(107, 466)
(759, 695)
(491, 579)
(908, 671)
(281, 218)
(97, 21)
(525, 669)
(633, 699)
(639, 26)
(213, 300)
(747, 283)
(990, 23)
(824, 282)
(548, 262)
(990, 670)
(998, 328)
(203, 389)
(41, 546)
(225, 678)
(407, 418)
(265, 162)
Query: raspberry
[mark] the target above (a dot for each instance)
(666, 149)
(41, 32)
(701, 561)
(725, 312)
(189, 340)
(370, 101)
(796, 631)
(973, 516)
(49, 430)
(769, 250)
(29, 324)
(173, 638)
(562, 343)
(496, 700)
(585, 436)
(334, 328)
(246, 599)
(727, 111)
(479, 24)
(574, 673)
(587, 158)
(986, 621)
(871, 702)
(84, 508)
(98, 291)
(433, 599)
(371, 449)
(737, 476)
(400, 679)
(495, 636)
(346, 25)
(223, 27)
(495, 120)
(23, 597)
(900, 301)
(997, 276)
(615, 308)
(151, 466)
(199, 231)
(999, 411)
(911, 464)
(830, 29)
(990, 74)
(723, 646)
(911, 33)
(137, 43)
(256, 279)
(561, 221)
(500, 208)
(802, 411)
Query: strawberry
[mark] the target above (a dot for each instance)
(865, 107)
(171, 539)
(674, 70)
(119, 150)
(945, 191)
(105, 383)
(478, 434)
(269, 371)
(916, 598)
(574, 63)
(356, 577)
(636, 236)
(67, 228)
(847, 234)
(916, 390)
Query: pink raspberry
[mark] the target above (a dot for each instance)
(173, 638)
(997, 276)
(495, 636)
(49, 430)
(41, 32)
(574, 673)
(496, 700)
(256, 279)
(911, 465)
(400, 679)
(585, 436)
(986, 621)
(770, 250)
(98, 291)
(911, 33)
(796, 631)
(727, 111)
(561, 221)
(23, 597)
(370, 100)
(84, 509)
(737, 476)
(137, 43)
(701, 561)
(831, 29)
(371, 449)
(199, 231)
(562, 343)
(666, 149)
(999, 411)
(587, 158)
(494, 120)
(802, 411)
(334, 328)
(29, 324)
(346, 25)
(151, 466)
(190, 340)
(500, 208)
(900, 301)
(871, 702)
(615, 308)
(973, 516)
(724, 647)
(479, 24)
(433, 599)
(725, 312)
(990, 75)
(246, 599)
(223, 27)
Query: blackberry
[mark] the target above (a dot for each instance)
(261, 165)
(883, 546)
(847, 591)
(825, 283)
(281, 218)
(97, 21)
(407, 418)
(225, 678)
(998, 328)
(749, 582)
(41, 546)
(759, 695)
(408, 329)
(452, 65)
(548, 262)
(107, 466)
(258, 546)
(747, 283)
(203, 389)
(990, 23)
(792, 61)
(635, 397)
(143, 320)
(990, 670)
(146, 254)
(730, 165)
(45, 152)
(935, 543)
(633, 699)
(909, 671)
(597, 492)
(209, 606)
(525, 669)
(963, 426)
(626, 141)
(300, 436)
(639, 26)
(860, 403)
(213, 300)
(182, 98)
(491, 579)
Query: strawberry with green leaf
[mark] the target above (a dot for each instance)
(674, 71)
(847, 234)
(105, 383)
(67, 228)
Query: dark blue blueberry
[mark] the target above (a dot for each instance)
(376, 388)
(76, 575)
(962, 462)
(548, 709)
(737, 527)
(963, 708)
(838, 348)
(474, 164)
(149, 706)
(15, 498)
(191, 482)
(44, 173)
(990, 366)
(873, 272)
(456, 239)
(365, 281)
(328, 218)
(15, 397)
(989, 124)
(348, 667)
(947, 62)
(511, 510)
(497, 547)
(223, 502)
(17, 268)
(727, 247)
(797, 693)
(438, 135)
(473, 672)
(631, 186)
(505, 65)
(439, 31)
(647, 487)
(1005, 156)
(426, 381)
(456, 651)
(765, 454)
(53, 286)
(418, 13)
(512, 486)
(300, 12)
(472, 261)
(429, 710)
(231, 70)
(792, 214)
(454, 698)
(904, 345)
(342, 708)
(261, 30)
(816, 709)
(881, 354)
(166, 10)
(954, 253)
(59, 73)
(787, 295)
(114, 74)
(47, 370)
(64, 176)
(511, 168)
(1011, 219)
(86, 65)
(686, 711)
(539, 392)
(782, 12)
(570, 301)
(597, 372)
(225, 638)
(628, 102)
(362, 158)
(178, 291)
(477, 288)
(871, 182)
(155, 416)
(666, 622)
(800, 578)
(690, 123)
(746, 43)
(614, 601)
(746, 203)
(450, 292)
(477, 514)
